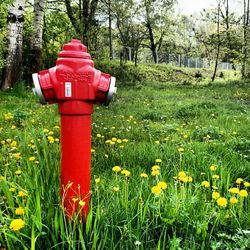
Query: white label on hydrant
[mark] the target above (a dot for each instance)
(68, 89)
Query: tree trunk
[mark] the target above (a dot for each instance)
(218, 43)
(15, 22)
(111, 56)
(152, 42)
(245, 36)
(37, 40)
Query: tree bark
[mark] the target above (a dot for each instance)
(37, 36)
(245, 37)
(15, 22)
(218, 42)
(111, 56)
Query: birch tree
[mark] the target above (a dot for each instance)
(15, 20)
(37, 36)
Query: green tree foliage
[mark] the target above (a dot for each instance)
(82, 15)
(155, 18)
(131, 29)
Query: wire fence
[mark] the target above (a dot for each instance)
(174, 59)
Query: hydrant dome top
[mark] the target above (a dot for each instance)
(75, 49)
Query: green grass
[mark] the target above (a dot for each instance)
(211, 125)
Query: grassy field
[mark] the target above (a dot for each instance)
(186, 150)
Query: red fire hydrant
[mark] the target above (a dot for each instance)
(75, 85)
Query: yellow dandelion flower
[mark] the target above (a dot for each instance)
(97, 180)
(216, 177)
(222, 202)
(157, 142)
(107, 141)
(234, 190)
(126, 173)
(92, 150)
(98, 135)
(2, 142)
(119, 141)
(180, 150)
(205, 184)
(158, 160)
(51, 132)
(21, 194)
(82, 203)
(17, 224)
(155, 168)
(190, 178)
(183, 179)
(114, 139)
(18, 172)
(233, 200)
(239, 180)
(214, 187)
(32, 158)
(19, 211)
(112, 143)
(243, 193)
(143, 175)
(13, 127)
(213, 167)
(156, 190)
(17, 155)
(246, 184)
(215, 195)
(116, 169)
(125, 140)
(116, 189)
(2, 178)
(182, 174)
(51, 139)
(13, 144)
(162, 185)
(12, 189)
(155, 172)
(9, 140)
(45, 130)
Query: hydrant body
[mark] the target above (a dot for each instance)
(75, 85)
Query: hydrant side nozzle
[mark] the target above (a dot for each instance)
(111, 92)
(37, 88)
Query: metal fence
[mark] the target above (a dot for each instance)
(173, 59)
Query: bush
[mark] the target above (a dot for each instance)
(128, 73)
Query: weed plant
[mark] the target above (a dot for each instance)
(170, 170)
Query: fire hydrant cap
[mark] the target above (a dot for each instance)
(75, 49)
(37, 90)
(112, 91)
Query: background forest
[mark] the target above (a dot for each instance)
(32, 33)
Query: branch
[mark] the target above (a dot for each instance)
(71, 16)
